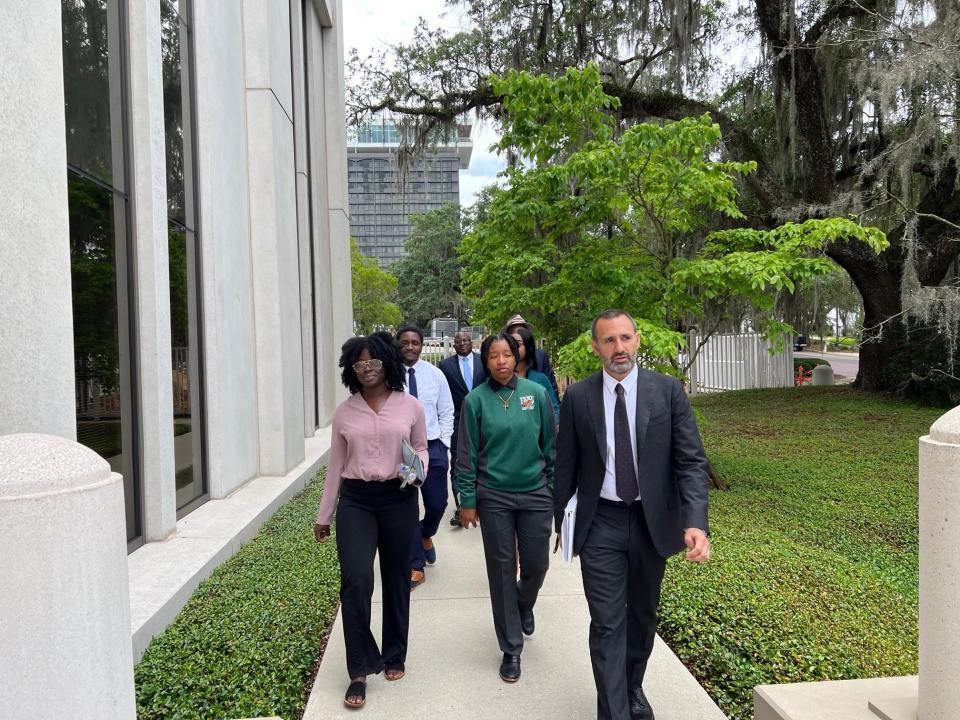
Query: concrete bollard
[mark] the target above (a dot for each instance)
(64, 611)
(822, 375)
(939, 691)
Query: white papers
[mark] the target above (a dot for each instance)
(566, 528)
(411, 459)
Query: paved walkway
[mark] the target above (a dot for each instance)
(453, 658)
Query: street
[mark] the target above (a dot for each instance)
(845, 365)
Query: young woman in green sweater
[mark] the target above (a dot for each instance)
(504, 468)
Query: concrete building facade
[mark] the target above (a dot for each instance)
(382, 196)
(174, 259)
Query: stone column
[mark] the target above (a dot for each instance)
(148, 195)
(940, 569)
(36, 315)
(339, 216)
(822, 375)
(274, 251)
(65, 609)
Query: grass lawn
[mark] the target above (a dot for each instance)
(249, 638)
(814, 572)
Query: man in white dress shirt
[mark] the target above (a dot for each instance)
(630, 449)
(428, 384)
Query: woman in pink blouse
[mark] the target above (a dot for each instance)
(374, 514)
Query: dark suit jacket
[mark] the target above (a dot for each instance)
(670, 458)
(450, 367)
(542, 364)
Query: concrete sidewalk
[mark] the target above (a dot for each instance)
(453, 658)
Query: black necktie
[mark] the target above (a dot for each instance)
(411, 382)
(624, 470)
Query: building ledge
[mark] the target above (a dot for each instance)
(163, 575)
(869, 699)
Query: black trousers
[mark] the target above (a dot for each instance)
(622, 573)
(375, 517)
(514, 524)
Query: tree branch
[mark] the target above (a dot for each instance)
(836, 11)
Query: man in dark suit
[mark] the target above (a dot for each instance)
(463, 371)
(629, 447)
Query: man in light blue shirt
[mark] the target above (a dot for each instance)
(463, 371)
(428, 385)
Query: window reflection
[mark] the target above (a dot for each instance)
(182, 250)
(98, 239)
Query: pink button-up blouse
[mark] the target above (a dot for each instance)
(366, 445)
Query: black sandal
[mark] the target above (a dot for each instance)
(398, 668)
(357, 688)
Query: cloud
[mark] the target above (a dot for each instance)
(372, 25)
(471, 185)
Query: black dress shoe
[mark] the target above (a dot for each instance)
(510, 668)
(455, 520)
(526, 620)
(639, 707)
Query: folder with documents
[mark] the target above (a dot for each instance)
(411, 459)
(566, 528)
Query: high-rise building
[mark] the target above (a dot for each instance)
(382, 195)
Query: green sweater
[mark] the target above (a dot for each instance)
(505, 449)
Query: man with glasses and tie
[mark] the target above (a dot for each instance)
(629, 447)
(463, 371)
(426, 383)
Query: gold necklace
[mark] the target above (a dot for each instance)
(506, 403)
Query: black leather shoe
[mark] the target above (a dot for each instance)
(455, 520)
(510, 668)
(526, 620)
(639, 707)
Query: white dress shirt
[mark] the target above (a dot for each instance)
(609, 488)
(434, 393)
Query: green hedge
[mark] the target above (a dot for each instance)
(807, 363)
(248, 639)
(814, 572)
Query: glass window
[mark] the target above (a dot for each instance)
(183, 254)
(98, 211)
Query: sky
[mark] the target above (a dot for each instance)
(370, 25)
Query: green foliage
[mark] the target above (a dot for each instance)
(428, 277)
(845, 343)
(245, 643)
(373, 290)
(808, 364)
(815, 551)
(658, 347)
(589, 220)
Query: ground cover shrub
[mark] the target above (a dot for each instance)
(807, 364)
(248, 639)
(815, 559)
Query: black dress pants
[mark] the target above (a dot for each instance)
(512, 525)
(622, 572)
(375, 517)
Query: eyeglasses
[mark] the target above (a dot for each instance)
(367, 365)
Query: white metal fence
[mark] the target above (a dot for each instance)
(737, 362)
